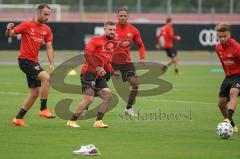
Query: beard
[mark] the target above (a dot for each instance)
(110, 36)
(44, 20)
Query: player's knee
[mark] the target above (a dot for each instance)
(222, 103)
(233, 93)
(107, 96)
(134, 83)
(45, 81)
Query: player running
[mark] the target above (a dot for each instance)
(167, 32)
(95, 73)
(228, 51)
(127, 34)
(34, 33)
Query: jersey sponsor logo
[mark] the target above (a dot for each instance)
(125, 44)
(36, 39)
(130, 35)
(208, 37)
(229, 62)
(117, 44)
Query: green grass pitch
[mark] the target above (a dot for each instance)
(195, 93)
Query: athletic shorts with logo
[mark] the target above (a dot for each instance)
(90, 80)
(171, 52)
(31, 69)
(230, 81)
(127, 70)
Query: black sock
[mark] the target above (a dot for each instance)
(21, 113)
(232, 123)
(43, 104)
(129, 104)
(75, 117)
(100, 116)
(230, 116)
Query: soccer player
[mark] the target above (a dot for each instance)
(167, 32)
(127, 34)
(34, 33)
(228, 51)
(95, 73)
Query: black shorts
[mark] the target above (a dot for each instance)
(171, 52)
(90, 80)
(31, 69)
(229, 82)
(127, 70)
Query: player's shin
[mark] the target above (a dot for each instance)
(106, 96)
(224, 111)
(132, 97)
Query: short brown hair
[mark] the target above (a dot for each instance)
(122, 9)
(168, 20)
(41, 6)
(223, 27)
(109, 23)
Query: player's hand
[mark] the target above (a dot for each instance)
(100, 71)
(178, 37)
(10, 26)
(116, 74)
(52, 67)
(142, 62)
(157, 46)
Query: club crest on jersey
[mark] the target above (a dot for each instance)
(129, 35)
(110, 46)
(44, 33)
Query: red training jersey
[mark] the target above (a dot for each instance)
(168, 35)
(98, 52)
(33, 36)
(126, 35)
(229, 55)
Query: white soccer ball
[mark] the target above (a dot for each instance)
(224, 130)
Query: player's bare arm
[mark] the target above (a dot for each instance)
(141, 47)
(50, 55)
(9, 31)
